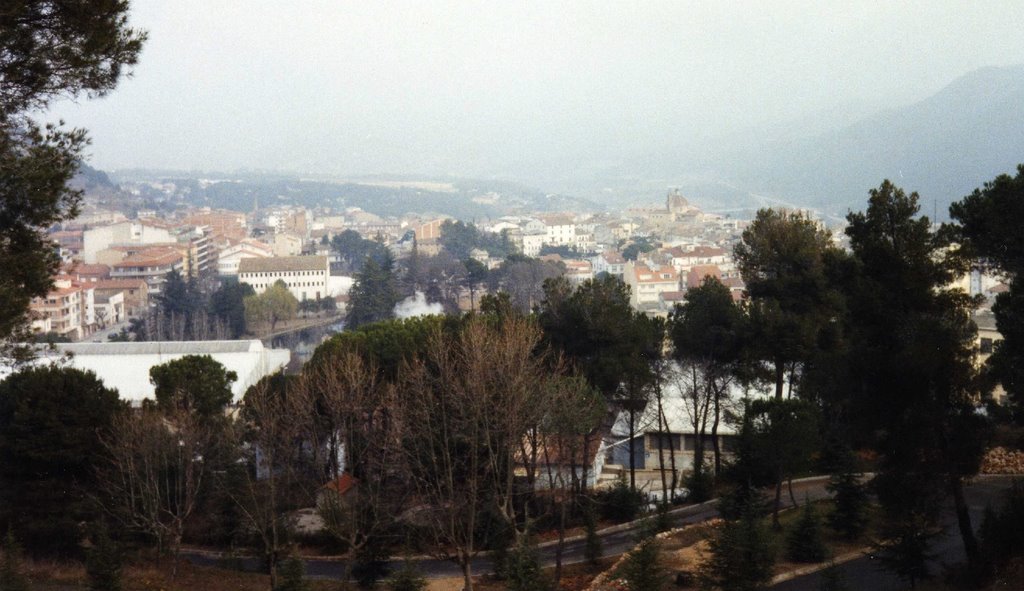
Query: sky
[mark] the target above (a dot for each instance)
(495, 88)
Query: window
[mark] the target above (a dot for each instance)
(663, 440)
(986, 346)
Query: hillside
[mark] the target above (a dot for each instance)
(943, 147)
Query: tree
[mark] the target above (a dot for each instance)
(613, 346)
(476, 275)
(270, 477)
(156, 473)
(103, 561)
(786, 433)
(804, 543)
(523, 279)
(193, 384)
(11, 577)
(275, 304)
(228, 304)
(708, 332)
(913, 349)
(782, 258)
(52, 422)
(51, 51)
(988, 227)
(642, 569)
(373, 295)
(355, 250)
(849, 517)
(741, 556)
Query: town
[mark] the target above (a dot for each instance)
(544, 298)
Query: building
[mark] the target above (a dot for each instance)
(151, 265)
(560, 230)
(67, 310)
(230, 257)
(533, 242)
(577, 271)
(125, 233)
(695, 276)
(646, 284)
(134, 294)
(609, 262)
(305, 276)
(125, 366)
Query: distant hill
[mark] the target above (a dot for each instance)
(943, 147)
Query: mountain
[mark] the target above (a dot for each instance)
(943, 147)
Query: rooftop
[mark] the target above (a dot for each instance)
(283, 264)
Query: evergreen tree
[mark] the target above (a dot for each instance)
(373, 295)
(292, 575)
(52, 421)
(849, 517)
(741, 556)
(407, 578)
(642, 570)
(523, 570)
(804, 543)
(193, 383)
(103, 562)
(51, 51)
(11, 577)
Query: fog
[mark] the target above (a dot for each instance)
(514, 89)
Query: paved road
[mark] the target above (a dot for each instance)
(866, 574)
(614, 541)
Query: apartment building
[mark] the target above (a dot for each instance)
(305, 276)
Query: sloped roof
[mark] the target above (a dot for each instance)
(283, 264)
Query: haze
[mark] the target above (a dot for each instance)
(515, 90)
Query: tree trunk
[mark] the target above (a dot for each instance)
(778, 500)
(662, 434)
(780, 378)
(632, 452)
(963, 521)
(561, 545)
(467, 575)
(714, 436)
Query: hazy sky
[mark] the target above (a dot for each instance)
(480, 88)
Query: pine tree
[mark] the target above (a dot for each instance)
(523, 569)
(742, 556)
(11, 577)
(851, 503)
(407, 578)
(292, 576)
(642, 570)
(804, 543)
(103, 562)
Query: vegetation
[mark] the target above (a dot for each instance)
(804, 542)
(51, 51)
(52, 422)
(741, 556)
(274, 305)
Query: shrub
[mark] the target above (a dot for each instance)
(407, 578)
(291, 576)
(370, 564)
(621, 503)
(741, 501)
(700, 483)
(804, 543)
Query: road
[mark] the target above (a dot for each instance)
(615, 540)
(866, 574)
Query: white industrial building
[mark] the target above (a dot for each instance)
(125, 366)
(306, 277)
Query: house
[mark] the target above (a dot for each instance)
(695, 276)
(646, 284)
(609, 262)
(134, 294)
(305, 276)
(67, 309)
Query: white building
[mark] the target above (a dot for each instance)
(532, 243)
(231, 257)
(125, 366)
(136, 233)
(306, 277)
(646, 284)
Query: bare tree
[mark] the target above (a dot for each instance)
(156, 473)
(356, 405)
(271, 434)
